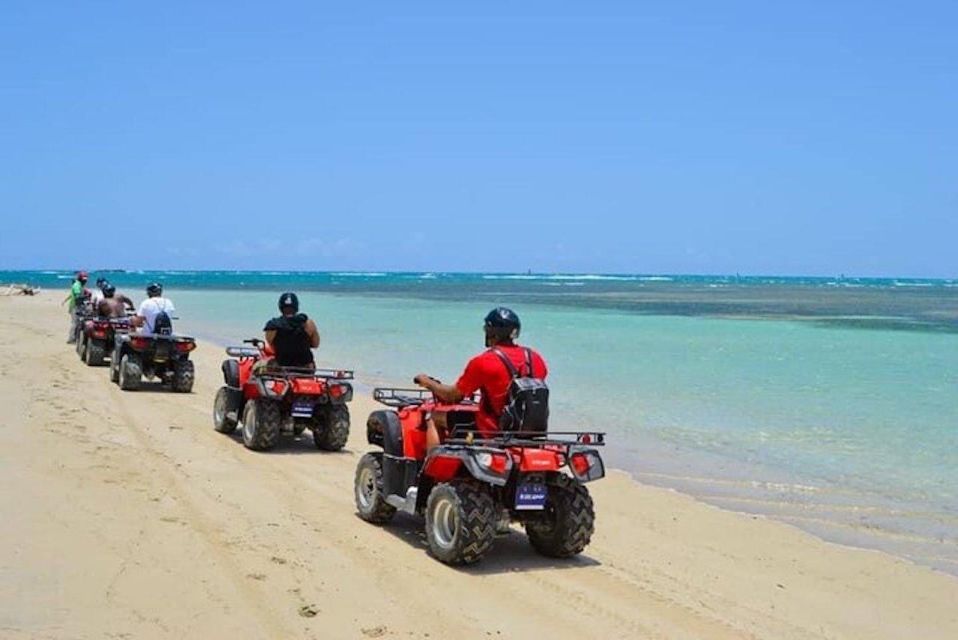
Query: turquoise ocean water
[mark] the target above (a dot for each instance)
(831, 404)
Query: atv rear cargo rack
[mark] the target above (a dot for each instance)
(529, 438)
(397, 397)
(305, 372)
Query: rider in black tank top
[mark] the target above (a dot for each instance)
(292, 335)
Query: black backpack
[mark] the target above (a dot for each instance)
(162, 324)
(527, 405)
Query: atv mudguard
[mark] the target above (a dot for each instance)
(231, 373)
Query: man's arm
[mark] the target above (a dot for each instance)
(445, 392)
(127, 302)
(313, 334)
(270, 335)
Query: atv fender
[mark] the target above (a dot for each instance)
(231, 373)
(398, 474)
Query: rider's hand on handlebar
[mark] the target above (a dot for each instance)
(423, 380)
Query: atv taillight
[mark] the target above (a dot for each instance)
(494, 462)
(586, 465)
(139, 342)
(278, 387)
(185, 346)
(580, 464)
(338, 390)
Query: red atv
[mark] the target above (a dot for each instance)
(470, 488)
(97, 338)
(268, 400)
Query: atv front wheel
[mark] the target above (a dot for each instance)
(182, 380)
(227, 402)
(81, 344)
(331, 427)
(94, 352)
(368, 491)
(569, 519)
(261, 422)
(131, 373)
(460, 521)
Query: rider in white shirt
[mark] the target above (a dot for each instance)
(98, 296)
(150, 308)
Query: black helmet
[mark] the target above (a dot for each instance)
(502, 324)
(108, 290)
(100, 282)
(289, 299)
(154, 289)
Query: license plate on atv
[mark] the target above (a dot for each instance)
(302, 409)
(531, 496)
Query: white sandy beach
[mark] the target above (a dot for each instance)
(126, 516)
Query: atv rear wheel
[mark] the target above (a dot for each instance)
(368, 491)
(81, 344)
(131, 373)
(94, 352)
(460, 521)
(569, 519)
(227, 402)
(261, 423)
(331, 427)
(182, 380)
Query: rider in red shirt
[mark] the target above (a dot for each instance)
(487, 373)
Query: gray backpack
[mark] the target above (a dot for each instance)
(527, 405)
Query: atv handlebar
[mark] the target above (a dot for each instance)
(256, 342)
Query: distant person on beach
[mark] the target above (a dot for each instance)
(113, 305)
(487, 372)
(293, 335)
(75, 298)
(154, 310)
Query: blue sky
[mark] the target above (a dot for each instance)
(659, 137)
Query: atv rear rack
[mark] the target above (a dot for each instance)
(397, 398)
(529, 438)
(401, 397)
(304, 372)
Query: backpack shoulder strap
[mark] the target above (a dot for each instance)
(506, 361)
(531, 373)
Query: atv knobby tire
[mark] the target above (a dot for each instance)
(569, 519)
(94, 353)
(182, 381)
(227, 401)
(368, 491)
(460, 521)
(261, 424)
(80, 344)
(131, 373)
(331, 427)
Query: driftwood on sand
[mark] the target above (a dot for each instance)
(18, 290)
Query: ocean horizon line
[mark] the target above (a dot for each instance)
(527, 273)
